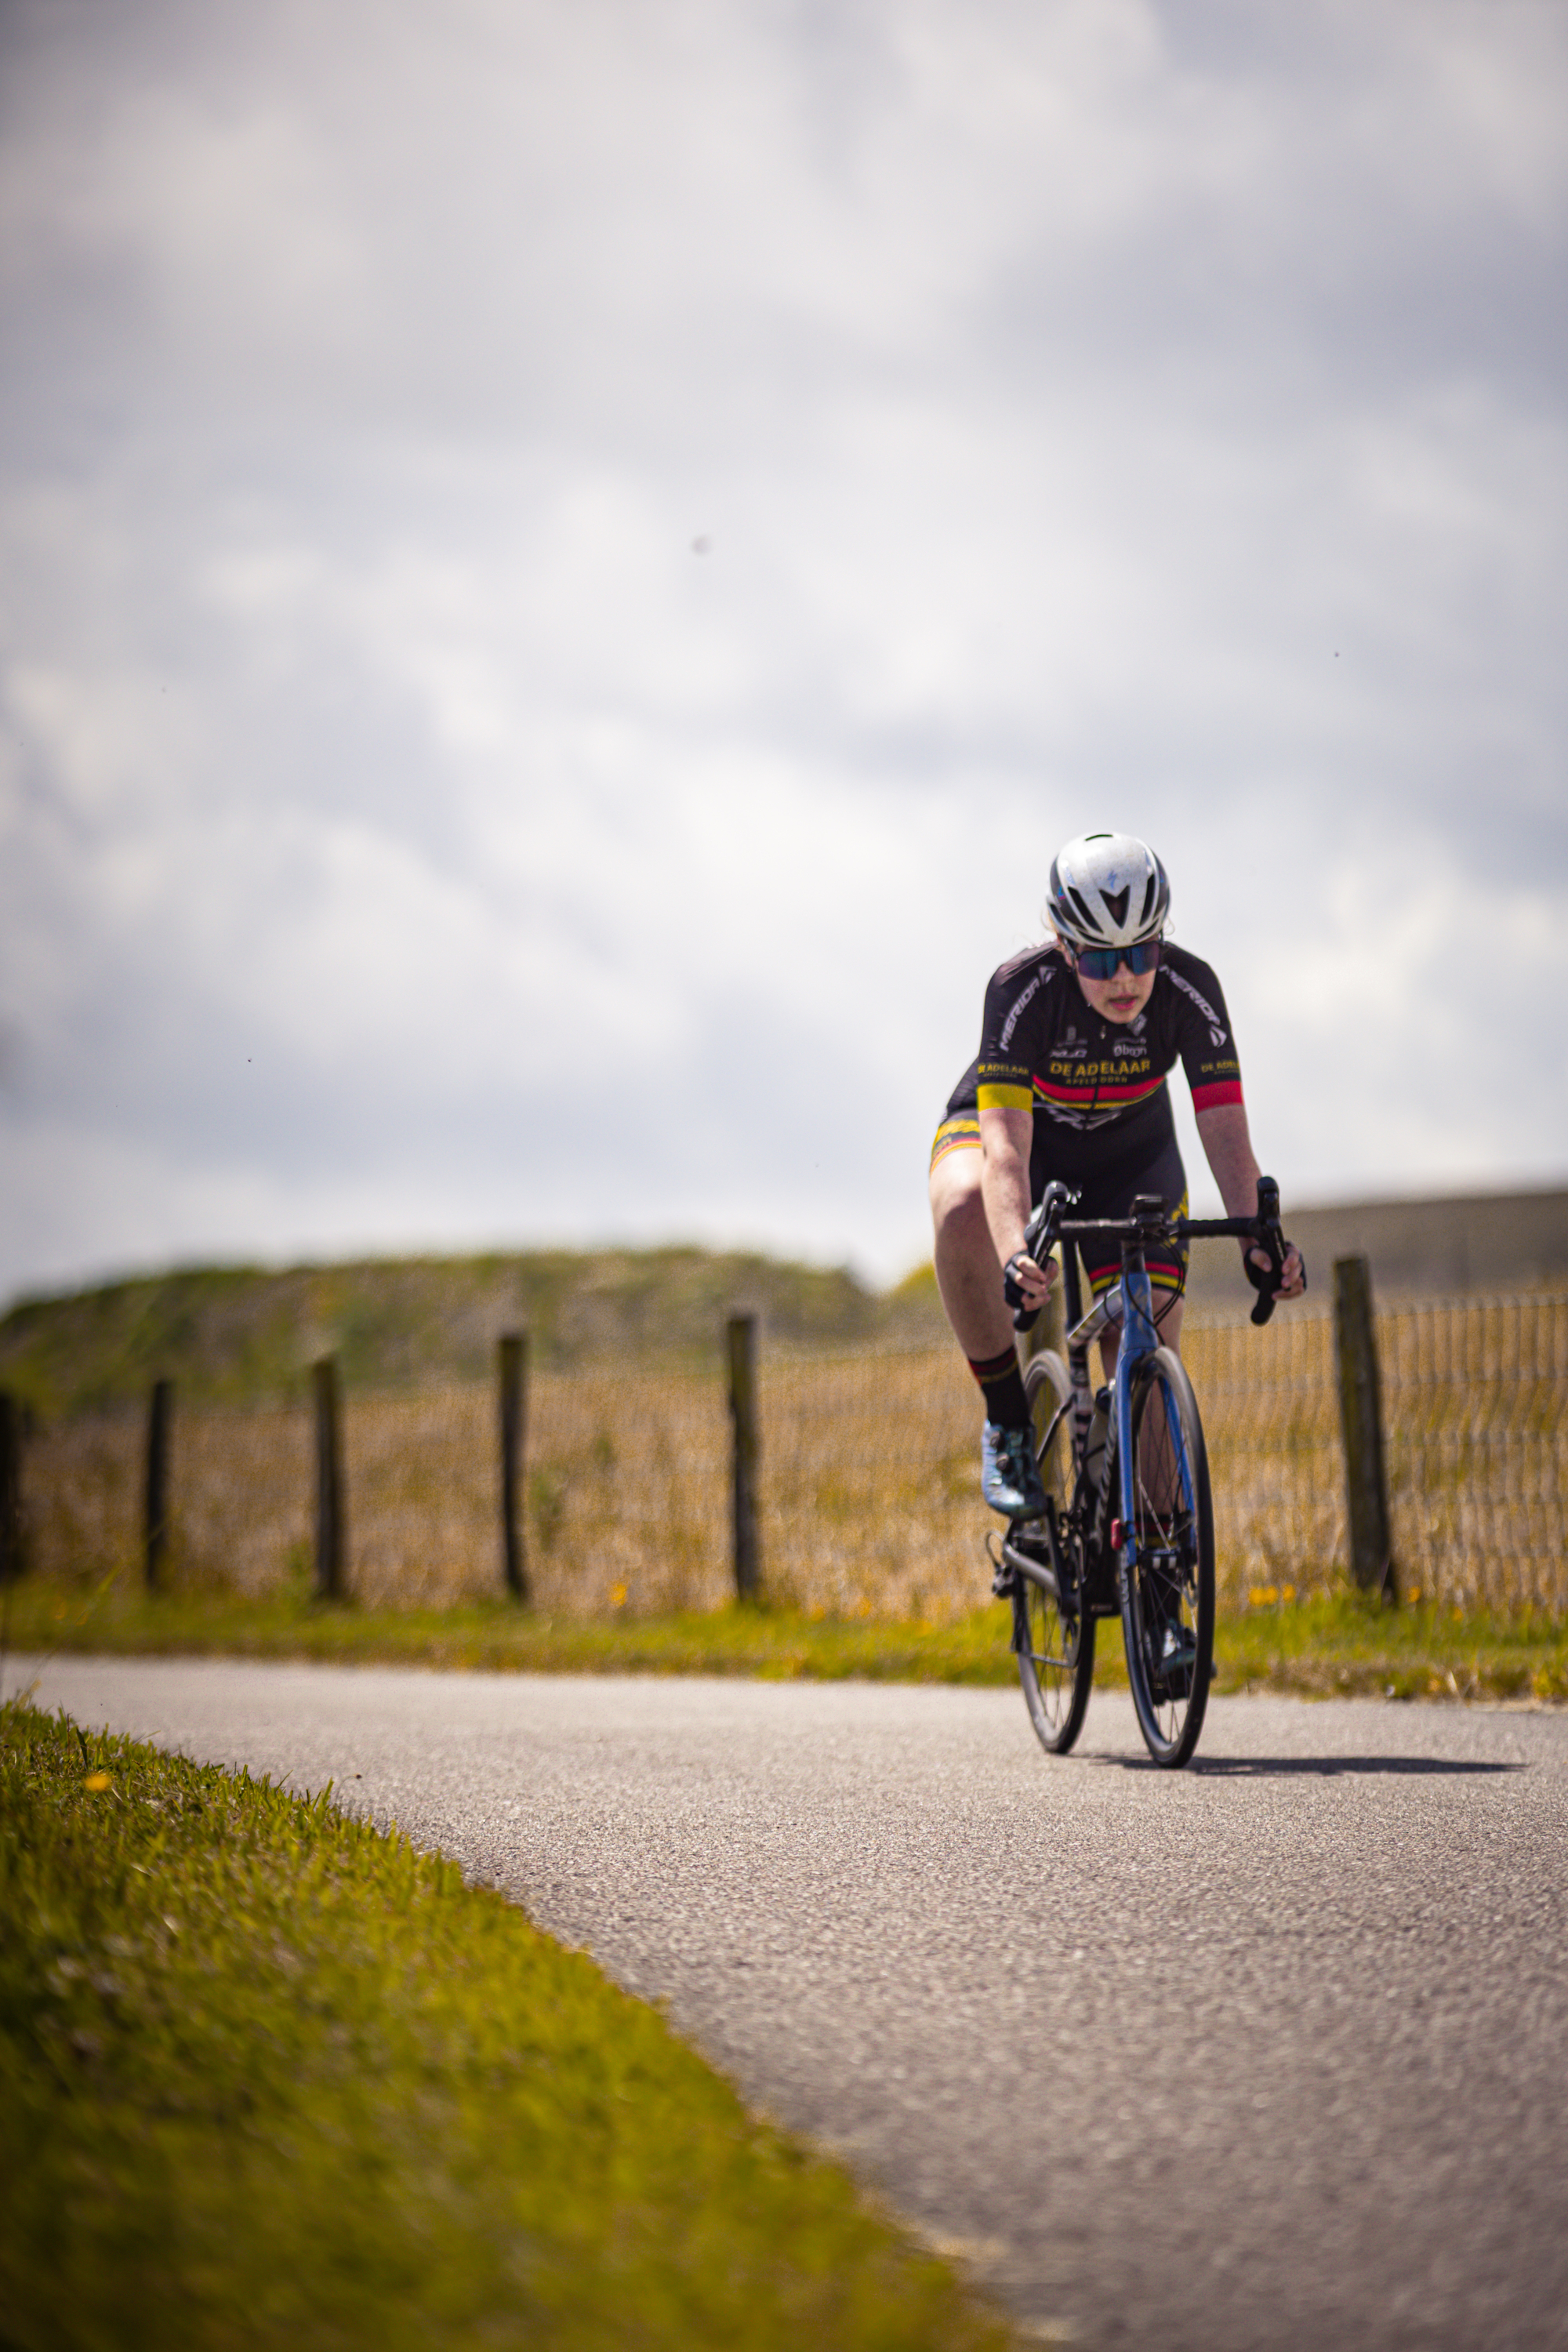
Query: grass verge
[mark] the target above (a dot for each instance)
(1339, 1645)
(1332, 1646)
(267, 2076)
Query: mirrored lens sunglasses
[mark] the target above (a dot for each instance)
(1101, 963)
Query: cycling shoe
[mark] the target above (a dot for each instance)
(1009, 1475)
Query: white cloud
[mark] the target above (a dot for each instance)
(1115, 413)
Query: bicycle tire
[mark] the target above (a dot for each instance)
(1057, 1669)
(1172, 1584)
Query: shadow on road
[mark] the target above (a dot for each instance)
(1322, 1767)
(1331, 1767)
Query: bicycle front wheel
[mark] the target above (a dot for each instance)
(1167, 1603)
(1056, 1667)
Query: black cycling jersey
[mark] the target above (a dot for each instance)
(1097, 1088)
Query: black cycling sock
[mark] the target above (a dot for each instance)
(1002, 1384)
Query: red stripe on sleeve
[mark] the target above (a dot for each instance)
(1224, 1090)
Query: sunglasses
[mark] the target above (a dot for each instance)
(1101, 963)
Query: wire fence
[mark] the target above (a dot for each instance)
(870, 1477)
(1475, 1402)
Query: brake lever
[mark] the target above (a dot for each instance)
(1042, 1225)
(1270, 1238)
(1040, 1240)
(1263, 1306)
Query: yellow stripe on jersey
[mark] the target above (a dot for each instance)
(1004, 1098)
(955, 1135)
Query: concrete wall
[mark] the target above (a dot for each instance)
(1471, 1241)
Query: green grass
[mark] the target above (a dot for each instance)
(1342, 1646)
(776, 1644)
(1324, 1647)
(269, 2077)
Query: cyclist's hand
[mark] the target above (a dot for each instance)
(1026, 1285)
(1292, 1279)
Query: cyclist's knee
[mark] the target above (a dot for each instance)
(957, 1209)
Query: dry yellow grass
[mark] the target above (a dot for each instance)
(870, 1477)
(1476, 1414)
(80, 1498)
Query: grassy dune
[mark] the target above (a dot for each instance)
(232, 1335)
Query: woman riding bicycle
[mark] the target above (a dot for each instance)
(1076, 1039)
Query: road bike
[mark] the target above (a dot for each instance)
(1127, 1529)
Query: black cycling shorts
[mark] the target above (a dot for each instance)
(1107, 1188)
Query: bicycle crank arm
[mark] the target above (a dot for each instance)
(1043, 1566)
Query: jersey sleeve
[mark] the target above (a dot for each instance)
(1203, 1035)
(1004, 1075)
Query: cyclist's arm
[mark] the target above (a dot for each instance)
(1227, 1146)
(1006, 1137)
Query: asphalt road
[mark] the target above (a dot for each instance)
(1271, 2052)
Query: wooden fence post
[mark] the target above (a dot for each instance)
(1361, 1417)
(11, 1559)
(513, 1354)
(742, 1338)
(155, 1492)
(331, 1550)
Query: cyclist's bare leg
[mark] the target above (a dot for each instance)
(967, 1274)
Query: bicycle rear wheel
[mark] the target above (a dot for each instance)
(1056, 1667)
(1167, 1603)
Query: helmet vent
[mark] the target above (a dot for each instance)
(1108, 889)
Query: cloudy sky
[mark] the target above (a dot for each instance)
(564, 571)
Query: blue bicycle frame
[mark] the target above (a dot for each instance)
(1130, 1305)
(1135, 1535)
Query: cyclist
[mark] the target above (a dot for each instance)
(1077, 1038)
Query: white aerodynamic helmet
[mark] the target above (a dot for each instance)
(1108, 890)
